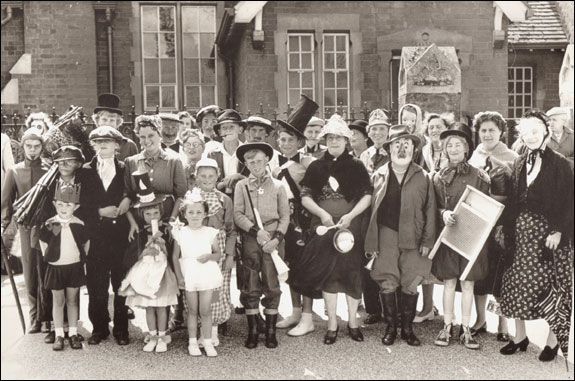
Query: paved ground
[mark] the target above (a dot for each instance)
(27, 357)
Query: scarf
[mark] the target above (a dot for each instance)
(500, 156)
(532, 157)
(106, 171)
(379, 158)
(447, 175)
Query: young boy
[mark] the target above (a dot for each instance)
(311, 132)
(64, 242)
(269, 197)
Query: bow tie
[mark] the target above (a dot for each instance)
(532, 157)
(448, 174)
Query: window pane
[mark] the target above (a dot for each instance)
(306, 61)
(329, 80)
(518, 87)
(191, 44)
(328, 43)
(527, 73)
(308, 92)
(527, 86)
(168, 70)
(341, 61)
(166, 18)
(206, 44)
(511, 100)
(151, 71)
(328, 61)
(528, 101)
(294, 96)
(191, 71)
(510, 87)
(293, 43)
(208, 71)
(152, 96)
(190, 19)
(329, 98)
(306, 44)
(519, 73)
(208, 95)
(307, 79)
(519, 101)
(168, 96)
(150, 19)
(150, 45)
(167, 46)
(293, 80)
(293, 61)
(342, 80)
(193, 97)
(342, 98)
(511, 73)
(340, 43)
(207, 19)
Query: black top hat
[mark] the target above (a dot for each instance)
(108, 102)
(463, 130)
(400, 131)
(146, 194)
(360, 125)
(264, 147)
(300, 116)
(229, 116)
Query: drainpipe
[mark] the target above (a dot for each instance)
(230, 75)
(8, 15)
(110, 61)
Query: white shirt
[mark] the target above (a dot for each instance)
(106, 171)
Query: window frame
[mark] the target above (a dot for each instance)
(300, 71)
(515, 111)
(336, 71)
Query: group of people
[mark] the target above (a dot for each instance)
(167, 225)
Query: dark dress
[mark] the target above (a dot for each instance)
(449, 184)
(546, 205)
(322, 267)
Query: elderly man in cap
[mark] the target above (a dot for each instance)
(401, 231)
(19, 180)
(312, 140)
(108, 113)
(110, 239)
(259, 274)
(171, 124)
(377, 129)
(561, 139)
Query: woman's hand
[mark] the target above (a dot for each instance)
(345, 221)
(132, 233)
(229, 263)
(448, 218)
(124, 206)
(424, 251)
(327, 219)
(203, 258)
(553, 240)
(108, 212)
(270, 246)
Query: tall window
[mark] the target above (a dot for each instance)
(335, 73)
(520, 87)
(301, 66)
(176, 59)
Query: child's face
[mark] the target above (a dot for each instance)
(65, 209)
(151, 214)
(32, 148)
(68, 167)
(105, 148)
(207, 178)
(311, 134)
(288, 144)
(107, 118)
(257, 164)
(195, 214)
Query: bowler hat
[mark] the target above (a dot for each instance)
(108, 102)
(229, 116)
(460, 129)
(107, 132)
(359, 125)
(264, 147)
(300, 116)
(68, 153)
(397, 132)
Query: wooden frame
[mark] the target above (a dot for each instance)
(476, 214)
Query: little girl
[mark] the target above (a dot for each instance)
(150, 283)
(196, 255)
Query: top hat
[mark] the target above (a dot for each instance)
(146, 195)
(259, 121)
(229, 116)
(67, 192)
(68, 153)
(300, 116)
(400, 131)
(107, 132)
(463, 130)
(108, 102)
(264, 147)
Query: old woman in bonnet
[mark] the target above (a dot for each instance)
(336, 190)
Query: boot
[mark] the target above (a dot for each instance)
(252, 340)
(261, 324)
(408, 311)
(389, 303)
(271, 321)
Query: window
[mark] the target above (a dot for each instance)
(176, 62)
(520, 87)
(330, 76)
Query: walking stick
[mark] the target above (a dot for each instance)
(14, 290)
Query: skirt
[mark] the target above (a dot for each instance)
(65, 276)
(532, 270)
(200, 276)
(491, 285)
(448, 264)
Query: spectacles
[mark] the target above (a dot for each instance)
(194, 145)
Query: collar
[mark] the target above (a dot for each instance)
(101, 160)
(373, 150)
(160, 155)
(32, 163)
(344, 156)
(254, 180)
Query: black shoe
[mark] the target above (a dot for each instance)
(271, 340)
(408, 310)
(58, 344)
(50, 338)
(330, 336)
(261, 324)
(75, 342)
(503, 337)
(355, 334)
(96, 338)
(389, 303)
(252, 340)
(122, 339)
(130, 313)
(548, 354)
(483, 329)
(35, 328)
(511, 348)
(372, 319)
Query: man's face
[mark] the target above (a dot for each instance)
(557, 122)
(358, 139)
(107, 118)
(32, 149)
(206, 178)
(230, 131)
(257, 134)
(170, 131)
(64, 209)
(401, 151)
(68, 167)
(257, 164)
(378, 133)
(288, 144)
(311, 134)
(105, 148)
(208, 125)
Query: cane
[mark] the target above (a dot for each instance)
(14, 290)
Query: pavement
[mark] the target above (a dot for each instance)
(27, 357)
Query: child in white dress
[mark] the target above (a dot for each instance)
(196, 254)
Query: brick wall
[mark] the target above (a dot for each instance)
(12, 43)
(63, 56)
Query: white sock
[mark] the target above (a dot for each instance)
(192, 340)
(162, 333)
(153, 333)
(73, 331)
(59, 332)
(465, 320)
(447, 318)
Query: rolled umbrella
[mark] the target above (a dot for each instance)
(31, 205)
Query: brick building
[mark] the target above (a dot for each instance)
(178, 54)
